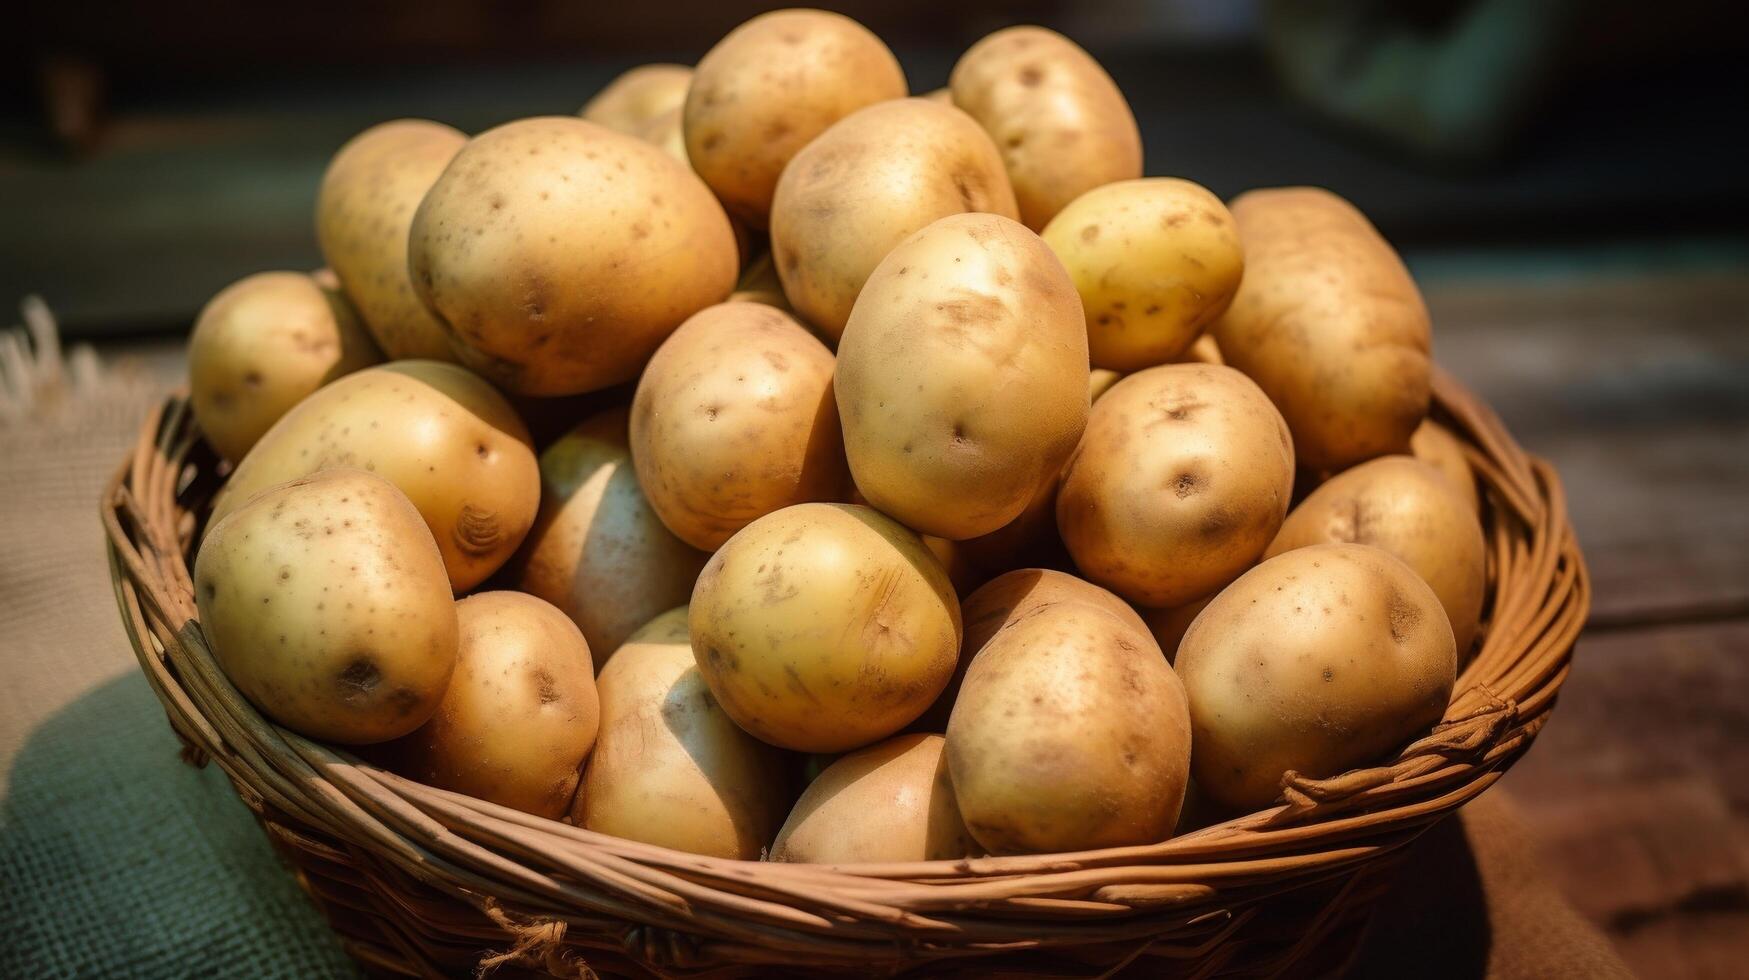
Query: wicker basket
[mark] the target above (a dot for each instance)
(420, 881)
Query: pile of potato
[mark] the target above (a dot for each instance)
(910, 478)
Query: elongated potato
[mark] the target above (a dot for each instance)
(446, 439)
(670, 768)
(1409, 509)
(261, 346)
(823, 627)
(866, 184)
(771, 86)
(1182, 479)
(1155, 260)
(962, 376)
(734, 419)
(892, 801)
(1329, 325)
(561, 253)
(520, 713)
(1070, 730)
(1315, 661)
(597, 550)
(363, 213)
(1435, 445)
(637, 96)
(1061, 123)
(325, 602)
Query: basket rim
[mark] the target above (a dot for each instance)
(527, 872)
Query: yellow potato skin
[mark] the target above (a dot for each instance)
(445, 438)
(1316, 661)
(892, 801)
(866, 184)
(261, 346)
(1070, 732)
(670, 768)
(1183, 477)
(1329, 325)
(1435, 445)
(597, 550)
(962, 376)
(768, 88)
(1156, 260)
(363, 212)
(326, 603)
(734, 419)
(1409, 509)
(637, 96)
(561, 253)
(823, 627)
(520, 713)
(1061, 123)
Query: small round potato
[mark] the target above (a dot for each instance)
(446, 439)
(1156, 260)
(1435, 445)
(261, 346)
(771, 86)
(823, 627)
(325, 601)
(962, 376)
(560, 253)
(1329, 325)
(1061, 123)
(670, 767)
(363, 213)
(889, 802)
(637, 96)
(1182, 479)
(866, 184)
(1315, 661)
(1070, 731)
(1409, 509)
(520, 713)
(734, 419)
(597, 550)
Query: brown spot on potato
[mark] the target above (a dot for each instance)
(1090, 233)
(1031, 75)
(545, 687)
(1405, 618)
(359, 677)
(477, 531)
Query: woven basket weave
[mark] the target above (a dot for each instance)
(424, 882)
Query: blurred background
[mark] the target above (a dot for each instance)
(1567, 180)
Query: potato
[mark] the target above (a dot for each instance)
(597, 550)
(520, 713)
(1070, 731)
(1182, 479)
(1005, 599)
(561, 253)
(771, 86)
(889, 802)
(735, 419)
(1203, 351)
(1099, 381)
(442, 436)
(1329, 325)
(670, 767)
(260, 346)
(325, 602)
(760, 284)
(1168, 625)
(962, 376)
(823, 627)
(1315, 661)
(866, 184)
(637, 96)
(1061, 123)
(363, 212)
(1435, 445)
(1409, 509)
(1156, 260)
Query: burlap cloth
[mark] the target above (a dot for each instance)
(116, 859)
